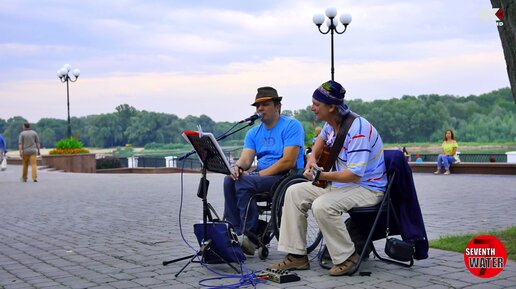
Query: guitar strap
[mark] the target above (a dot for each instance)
(339, 140)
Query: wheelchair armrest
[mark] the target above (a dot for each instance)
(263, 197)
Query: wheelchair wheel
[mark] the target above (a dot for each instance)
(314, 235)
(263, 252)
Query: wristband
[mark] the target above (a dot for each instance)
(254, 173)
(316, 173)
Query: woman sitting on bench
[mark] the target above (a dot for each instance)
(449, 153)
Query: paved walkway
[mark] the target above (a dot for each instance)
(113, 231)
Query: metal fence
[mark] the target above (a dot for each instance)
(193, 162)
(124, 162)
(153, 162)
(468, 158)
(160, 162)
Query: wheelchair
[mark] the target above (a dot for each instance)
(270, 205)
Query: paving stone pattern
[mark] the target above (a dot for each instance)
(114, 231)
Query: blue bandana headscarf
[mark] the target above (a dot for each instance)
(331, 92)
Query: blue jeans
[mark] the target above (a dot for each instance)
(446, 160)
(237, 195)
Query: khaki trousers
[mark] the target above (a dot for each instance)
(25, 162)
(327, 206)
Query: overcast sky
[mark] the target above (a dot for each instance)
(208, 57)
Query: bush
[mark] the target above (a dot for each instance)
(67, 146)
(124, 152)
(108, 163)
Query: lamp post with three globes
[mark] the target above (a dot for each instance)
(65, 77)
(332, 24)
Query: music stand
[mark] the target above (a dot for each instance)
(212, 159)
(208, 151)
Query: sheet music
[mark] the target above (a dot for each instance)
(206, 145)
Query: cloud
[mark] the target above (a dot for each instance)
(227, 95)
(208, 57)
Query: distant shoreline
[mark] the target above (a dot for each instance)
(416, 149)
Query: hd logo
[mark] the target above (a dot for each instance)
(498, 12)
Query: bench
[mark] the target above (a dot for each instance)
(467, 168)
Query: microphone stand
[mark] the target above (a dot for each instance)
(203, 186)
(207, 207)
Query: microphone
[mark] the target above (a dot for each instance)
(253, 117)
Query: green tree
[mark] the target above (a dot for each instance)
(124, 112)
(489, 117)
(3, 124)
(48, 138)
(13, 127)
(104, 130)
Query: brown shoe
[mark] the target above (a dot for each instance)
(437, 172)
(345, 267)
(447, 172)
(292, 263)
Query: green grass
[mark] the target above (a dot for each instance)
(458, 243)
(123, 152)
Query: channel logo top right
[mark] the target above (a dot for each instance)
(498, 12)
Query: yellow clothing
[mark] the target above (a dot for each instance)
(26, 160)
(448, 149)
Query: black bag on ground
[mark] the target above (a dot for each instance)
(395, 248)
(224, 243)
(399, 250)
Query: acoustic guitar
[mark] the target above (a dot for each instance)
(330, 154)
(323, 163)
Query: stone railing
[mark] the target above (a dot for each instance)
(76, 163)
(18, 161)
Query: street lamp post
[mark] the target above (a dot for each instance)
(64, 77)
(332, 24)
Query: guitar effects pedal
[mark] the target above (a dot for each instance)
(280, 276)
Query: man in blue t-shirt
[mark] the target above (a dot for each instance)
(357, 179)
(277, 143)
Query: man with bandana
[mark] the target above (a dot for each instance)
(357, 179)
